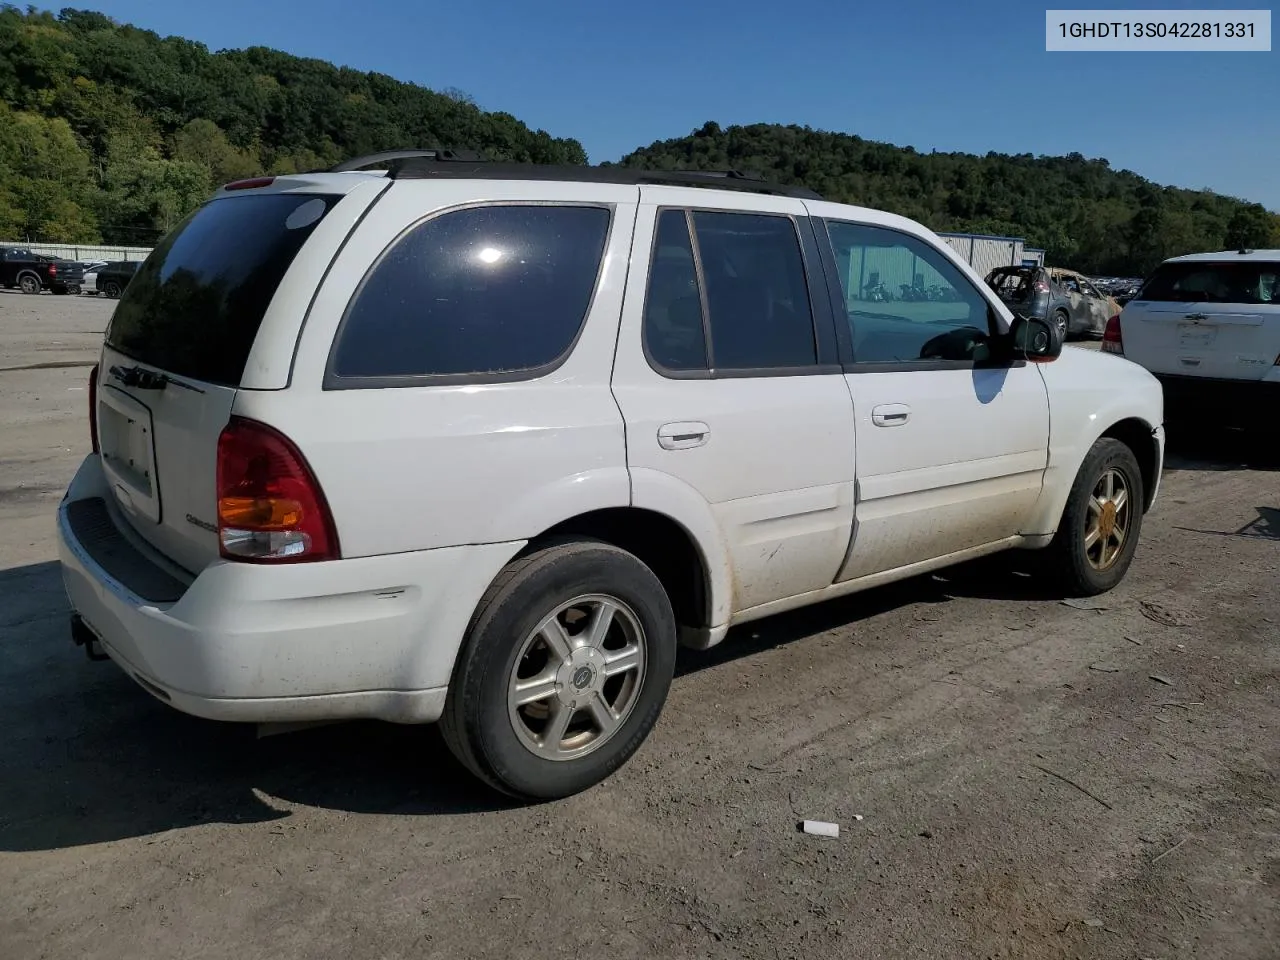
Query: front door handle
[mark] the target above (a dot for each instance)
(682, 436)
(890, 414)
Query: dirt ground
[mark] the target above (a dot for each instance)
(1013, 776)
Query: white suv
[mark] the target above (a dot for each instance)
(482, 443)
(1208, 326)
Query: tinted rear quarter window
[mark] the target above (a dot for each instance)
(673, 322)
(1253, 282)
(491, 291)
(194, 306)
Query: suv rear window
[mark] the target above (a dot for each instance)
(1246, 282)
(194, 306)
(1015, 283)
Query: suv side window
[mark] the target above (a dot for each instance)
(921, 309)
(497, 292)
(733, 297)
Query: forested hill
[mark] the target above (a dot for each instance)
(113, 133)
(1085, 214)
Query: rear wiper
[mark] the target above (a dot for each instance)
(141, 379)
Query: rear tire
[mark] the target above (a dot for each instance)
(603, 677)
(1101, 523)
(111, 289)
(1064, 324)
(29, 283)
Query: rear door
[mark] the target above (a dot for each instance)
(1207, 318)
(178, 347)
(728, 378)
(1101, 308)
(1077, 303)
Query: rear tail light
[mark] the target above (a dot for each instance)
(270, 507)
(53, 269)
(93, 407)
(1041, 287)
(1112, 342)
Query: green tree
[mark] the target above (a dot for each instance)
(145, 194)
(1086, 214)
(1249, 228)
(46, 180)
(195, 118)
(203, 144)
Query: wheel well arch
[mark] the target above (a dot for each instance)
(1137, 435)
(660, 543)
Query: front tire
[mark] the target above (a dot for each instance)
(564, 670)
(1101, 523)
(112, 290)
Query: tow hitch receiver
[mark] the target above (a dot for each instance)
(84, 637)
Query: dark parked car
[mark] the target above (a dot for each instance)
(33, 272)
(114, 277)
(1067, 298)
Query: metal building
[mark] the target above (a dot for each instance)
(985, 252)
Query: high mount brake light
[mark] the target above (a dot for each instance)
(250, 184)
(270, 506)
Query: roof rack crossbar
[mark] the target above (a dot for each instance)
(442, 155)
(423, 165)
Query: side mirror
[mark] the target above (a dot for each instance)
(1036, 340)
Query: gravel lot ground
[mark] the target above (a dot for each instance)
(1026, 787)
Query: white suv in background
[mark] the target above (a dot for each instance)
(1208, 326)
(482, 443)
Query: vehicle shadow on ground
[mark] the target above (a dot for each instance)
(89, 757)
(1220, 448)
(1008, 576)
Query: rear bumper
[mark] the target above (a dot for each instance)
(1232, 402)
(371, 637)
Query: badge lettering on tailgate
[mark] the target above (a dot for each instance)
(196, 521)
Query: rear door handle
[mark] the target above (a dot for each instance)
(682, 436)
(890, 414)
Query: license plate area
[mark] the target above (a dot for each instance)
(127, 442)
(1194, 336)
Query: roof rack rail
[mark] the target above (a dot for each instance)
(427, 165)
(442, 155)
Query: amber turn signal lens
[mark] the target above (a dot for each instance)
(259, 513)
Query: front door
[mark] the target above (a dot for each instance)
(729, 383)
(951, 449)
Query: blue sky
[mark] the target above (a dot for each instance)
(970, 76)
